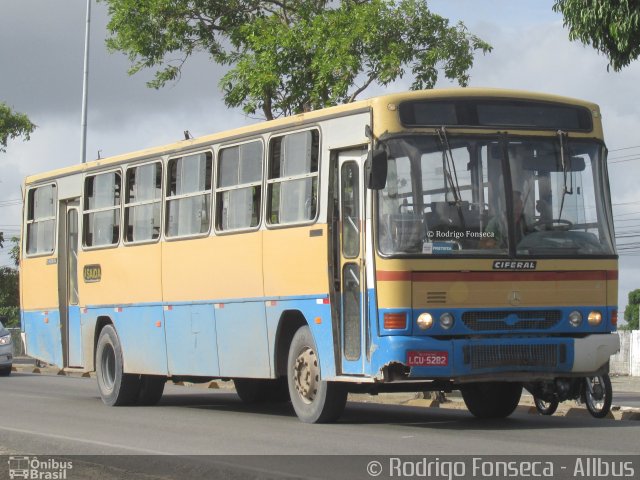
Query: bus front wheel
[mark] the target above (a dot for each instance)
(314, 400)
(116, 387)
(491, 399)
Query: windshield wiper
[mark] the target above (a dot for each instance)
(562, 136)
(449, 166)
(451, 176)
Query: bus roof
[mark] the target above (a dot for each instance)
(302, 118)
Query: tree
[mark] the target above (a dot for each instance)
(631, 312)
(9, 288)
(610, 26)
(13, 125)
(290, 56)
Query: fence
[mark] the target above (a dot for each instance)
(627, 360)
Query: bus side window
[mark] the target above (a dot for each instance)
(238, 189)
(188, 195)
(143, 196)
(41, 220)
(102, 209)
(293, 177)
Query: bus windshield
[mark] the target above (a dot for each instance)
(494, 195)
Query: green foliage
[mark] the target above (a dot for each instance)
(13, 125)
(291, 56)
(10, 289)
(12, 314)
(611, 27)
(631, 312)
(14, 253)
(9, 296)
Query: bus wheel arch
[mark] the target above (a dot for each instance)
(289, 323)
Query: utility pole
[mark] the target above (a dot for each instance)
(85, 88)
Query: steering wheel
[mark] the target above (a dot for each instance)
(556, 222)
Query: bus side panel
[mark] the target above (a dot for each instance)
(191, 340)
(42, 335)
(295, 261)
(296, 265)
(128, 276)
(40, 314)
(129, 280)
(317, 312)
(140, 330)
(242, 340)
(39, 278)
(211, 269)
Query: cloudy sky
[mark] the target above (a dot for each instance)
(41, 58)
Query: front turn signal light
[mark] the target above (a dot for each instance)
(395, 321)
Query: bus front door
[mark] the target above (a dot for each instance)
(352, 275)
(68, 284)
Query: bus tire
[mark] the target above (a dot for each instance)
(5, 372)
(116, 387)
(314, 400)
(491, 399)
(151, 389)
(259, 390)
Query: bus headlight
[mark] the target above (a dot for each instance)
(5, 340)
(446, 321)
(425, 321)
(594, 318)
(575, 318)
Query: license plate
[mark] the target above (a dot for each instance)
(427, 359)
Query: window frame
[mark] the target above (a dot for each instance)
(126, 205)
(261, 183)
(166, 198)
(27, 222)
(86, 211)
(269, 182)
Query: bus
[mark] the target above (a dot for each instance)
(454, 239)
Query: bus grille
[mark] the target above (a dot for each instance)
(493, 356)
(514, 320)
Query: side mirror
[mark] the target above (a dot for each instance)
(376, 169)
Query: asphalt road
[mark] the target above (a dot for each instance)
(57, 415)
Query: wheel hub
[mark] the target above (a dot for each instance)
(306, 375)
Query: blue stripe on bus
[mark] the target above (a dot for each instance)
(194, 338)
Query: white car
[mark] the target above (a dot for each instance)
(6, 352)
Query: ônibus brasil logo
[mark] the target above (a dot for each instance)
(32, 468)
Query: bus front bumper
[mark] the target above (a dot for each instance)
(495, 358)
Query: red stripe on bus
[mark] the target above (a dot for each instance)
(388, 276)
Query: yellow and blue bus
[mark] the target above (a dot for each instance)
(431, 240)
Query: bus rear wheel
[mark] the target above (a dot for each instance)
(116, 387)
(491, 399)
(314, 400)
